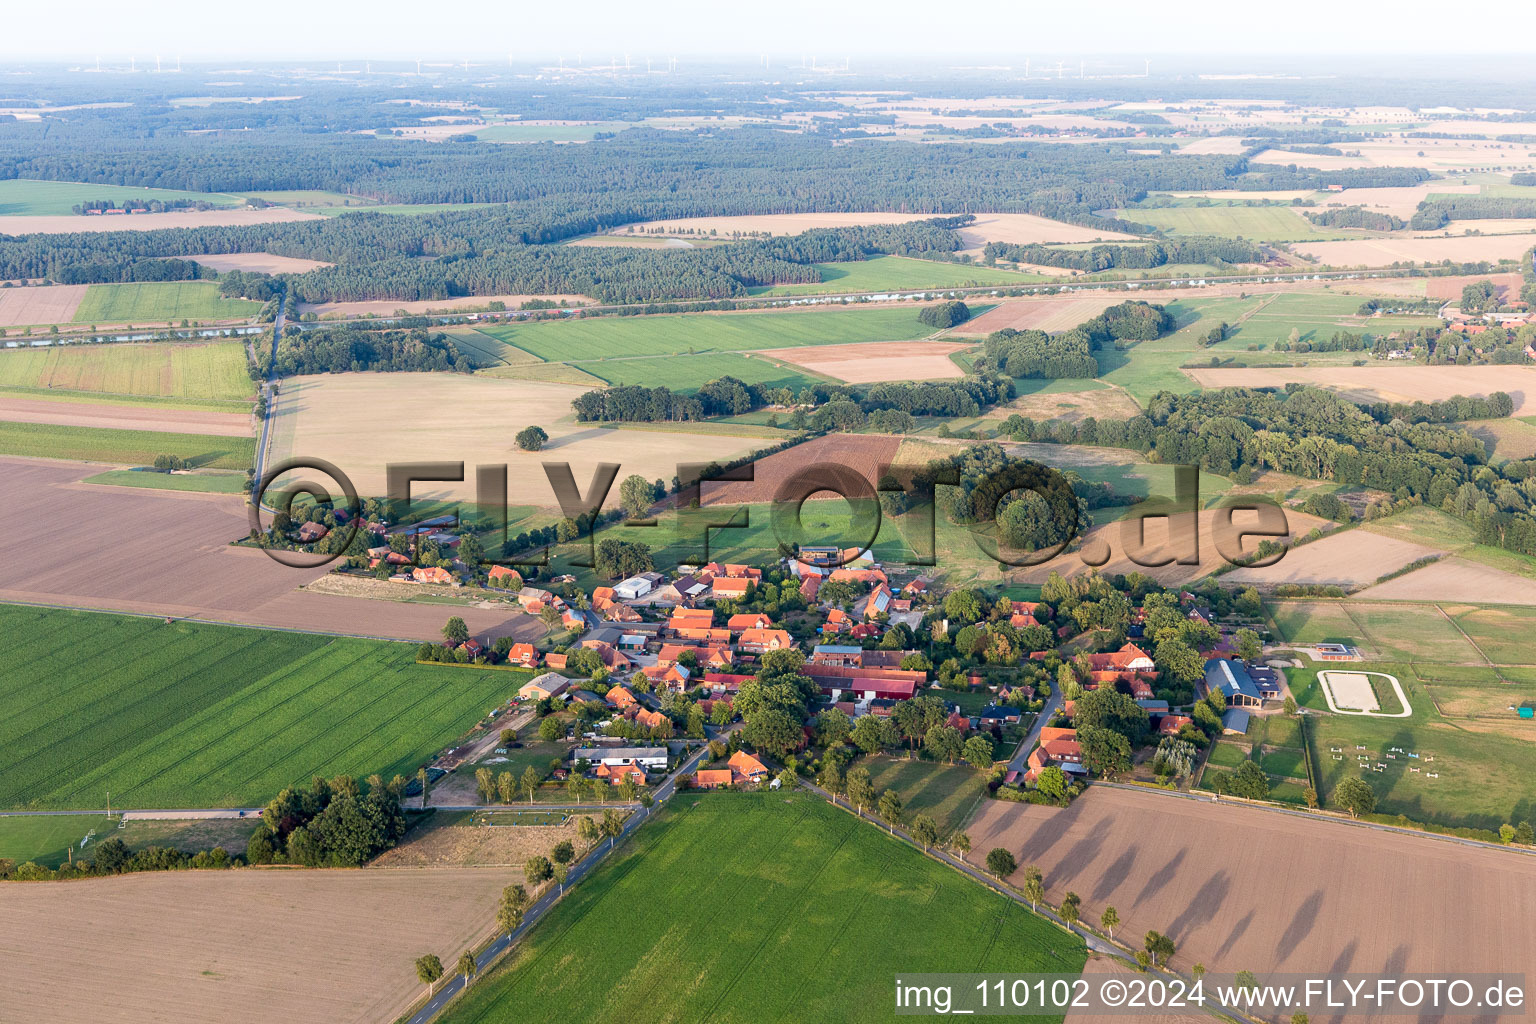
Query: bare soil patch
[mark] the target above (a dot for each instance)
(388, 307)
(1388, 383)
(865, 454)
(123, 417)
(167, 553)
(223, 945)
(1456, 579)
(258, 262)
(1450, 288)
(363, 421)
(59, 225)
(1349, 559)
(1025, 228)
(874, 361)
(472, 845)
(1331, 898)
(49, 304)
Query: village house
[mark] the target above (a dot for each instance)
(712, 778)
(524, 655)
(1231, 679)
(311, 532)
(729, 587)
(547, 685)
(653, 719)
(433, 574)
(621, 698)
(504, 576)
(746, 768)
(1057, 747)
(616, 774)
(760, 641)
(748, 620)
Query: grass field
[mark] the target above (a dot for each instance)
(137, 447)
(203, 371)
(689, 373)
(1256, 223)
(898, 273)
(603, 337)
(188, 715)
(208, 483)
(946, 793)
(153, 303)
(47, 838)
(29, 197)
(791, 910)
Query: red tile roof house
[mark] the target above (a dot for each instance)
(668, 677)
(809, 587)
(690, 619)
(1169, 725)
(525, 655)
(311, 532)
(616, 774)
(729, 587)
(758, 641)
(613, 659)
(501, 576)
(748, 620)
(620, 698)
(837, 621)
(712, 778)
(652, 719)
(1058, 747)
(432, 575)
(746, 768)
(573, 619)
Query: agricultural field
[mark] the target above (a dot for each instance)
(186, 715)
(131, 447)
(205, 483)
(613, 336)
(1388, 383)
(42, 407)
(1381, 252)
(1041, 313)
(27, 197)
(202, 370)
(40, 305)
(898, 273)
(257, 263)
(1187, 868)
(1506, 439)
(1349, 559)
(947, 793)
(221, 945)
(792, 901)
(163, 302)
(878, 360)
(1255, 223)
(1437, 529)
(68, 224)
(691, 372)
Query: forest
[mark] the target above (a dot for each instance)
(1355, 217)
(1129, 255)
(1437, 213)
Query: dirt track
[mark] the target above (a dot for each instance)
(124, 417)
(167, 553)
(1241, 888)
(254, 945)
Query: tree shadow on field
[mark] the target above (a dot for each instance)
(1302, 923)
(1161, 877)
(1110, 878)
(1203, 907)
(576, 437)
(1238, 930)
(1042, 840)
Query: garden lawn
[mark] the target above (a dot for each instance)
(185, 715)
(945, 792)
(758, 907)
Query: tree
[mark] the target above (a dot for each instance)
(1052, 782)
(1160, 947)
(575, 786)
(788, 779)
(1198, 971)
(1110, 920)
(562, 872)
(537, 869)
(830, 778)
(455, 632)
(428, 969)
(468, 967)
(861, 791)
(485, 785)
(1000, 862)
(426, 784)
(961, 841)
(506, 787)
(866, 734)
(1290, 709)
(1249, 781)
(1310, 796)
(978, 753)
(636, 495)
(508, 917)
(563, 853)
(1300, 1018)
(531, 439)
(924, 830)
(1248, 645)
(1071, 908)
(890, 808)
(943, 742)
(586, 830)
(1034, 886)
(1143, 959)
(1354, 796)
(773, 731)
(1524, 834)
(531, 781)
(550, 729)
(1105, 751)
(1506, 833)
(833, 726)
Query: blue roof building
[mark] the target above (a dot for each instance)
(1231, 678)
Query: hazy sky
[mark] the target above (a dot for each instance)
(963, 31)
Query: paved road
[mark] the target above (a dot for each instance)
(579, 870)
(268, 386)
(1020, 760)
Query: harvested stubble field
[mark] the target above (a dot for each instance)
(122, 417)
(1456, 579)
(1450, 288)
(687, 372)
(1350, 559)
(1256, 223)
(457, 841)
(388, 307)
(898, 273)
(168, 553)
(1381, 252)
(878, 361)
(765, 223)
(363, 421)
(792, 900)
(1400, 201)
(60, 225)
(605, 337)
(46, 304)
(257, 263)
(183, 715)
(865, 454)
(200, 946)
(1387, 383)
(201, 370)
(1045, 313)
(1186, 868)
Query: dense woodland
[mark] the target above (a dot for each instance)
(1033, 353)
(1355, 217)
(1437, 213)
(1129, 255)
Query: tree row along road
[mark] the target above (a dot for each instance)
(491, 953)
